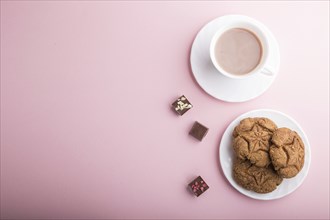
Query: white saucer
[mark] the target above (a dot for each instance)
(227, 154)
(219, 86)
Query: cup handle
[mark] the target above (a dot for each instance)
(268, 71)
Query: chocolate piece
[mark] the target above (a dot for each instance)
(198, 186)
(181, 105)
(198, 131)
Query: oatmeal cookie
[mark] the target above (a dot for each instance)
(257, 179)
(252, 140)
(287, 152)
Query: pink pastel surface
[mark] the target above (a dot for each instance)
(86, 125)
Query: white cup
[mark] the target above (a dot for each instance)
(262, 67)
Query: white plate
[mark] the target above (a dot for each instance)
(219, 86)
(227, 154)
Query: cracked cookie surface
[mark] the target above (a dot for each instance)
(287, 152)
(252, 140)
(257, 179)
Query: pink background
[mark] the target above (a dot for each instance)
(86, 127)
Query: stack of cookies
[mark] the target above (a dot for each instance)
(265, 154)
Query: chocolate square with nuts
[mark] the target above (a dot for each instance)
(198, 186)
(198, 131)
(181, 105)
